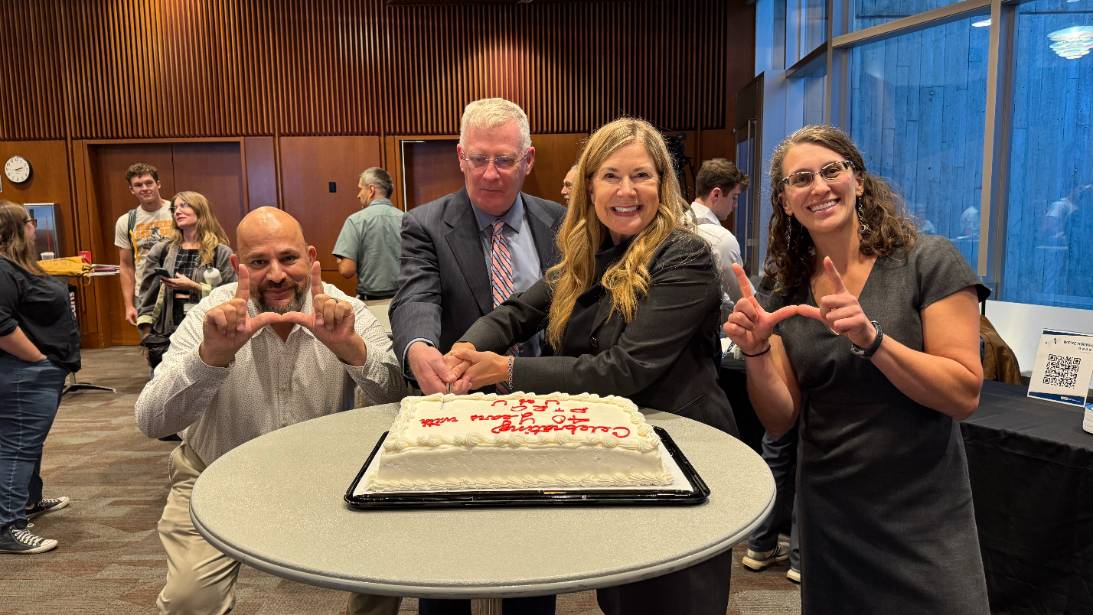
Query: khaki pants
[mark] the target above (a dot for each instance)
(201, 579)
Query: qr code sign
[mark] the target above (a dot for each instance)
(1061, 371)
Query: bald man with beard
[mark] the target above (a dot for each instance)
(278, 324)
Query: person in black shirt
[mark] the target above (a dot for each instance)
(39, 345)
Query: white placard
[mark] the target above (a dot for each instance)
(1063, 368)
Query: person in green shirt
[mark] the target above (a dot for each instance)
(368, 245)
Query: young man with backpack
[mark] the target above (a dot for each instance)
(137, 230)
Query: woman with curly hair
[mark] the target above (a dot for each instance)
(631, 309)
(879, 369)
(196, 257)
(39, 345)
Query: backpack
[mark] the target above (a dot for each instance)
(129, 233)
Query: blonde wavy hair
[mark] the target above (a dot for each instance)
(13, 243)
(582, 233)
(209, 231)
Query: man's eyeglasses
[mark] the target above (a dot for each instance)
(503, 163)
(830, 172)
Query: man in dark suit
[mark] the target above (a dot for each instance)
(447, 276)
(445, 271)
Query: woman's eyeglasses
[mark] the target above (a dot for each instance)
(830, 172)
(32, 221)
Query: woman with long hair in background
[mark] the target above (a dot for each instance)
(195, 258)
(39, 346)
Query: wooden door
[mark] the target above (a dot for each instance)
(213, 169)
(431, 170)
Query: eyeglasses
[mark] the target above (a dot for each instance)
(830, 172)
(32, 221)
(502, 163)
(174, 207)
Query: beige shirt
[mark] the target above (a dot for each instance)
(148, 230)
(270, 384)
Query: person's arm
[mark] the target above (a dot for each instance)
(347, 249)
(19, 345)
(946, 375)
(416, 309)
(13, 340)
(380, 378)
(183, 385)
(347, 267)
(127, 273)
(517, 319)
(199, 360)
(682, 292)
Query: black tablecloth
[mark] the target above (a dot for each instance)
(1031, 471)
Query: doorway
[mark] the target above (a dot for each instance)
(215, 169)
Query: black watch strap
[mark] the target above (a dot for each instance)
(867, 353)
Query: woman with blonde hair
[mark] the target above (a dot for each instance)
(631, 309)
(39, 346)
(870, 346)
(192, 261)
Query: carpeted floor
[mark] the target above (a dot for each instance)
(110, 560)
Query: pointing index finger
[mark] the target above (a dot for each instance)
(242, 290)
(742, 280)
(316, 278)
(833, 275)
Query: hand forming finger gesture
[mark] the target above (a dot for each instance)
(228, 326)
(840, 311)
(331, 321)
(750, 325)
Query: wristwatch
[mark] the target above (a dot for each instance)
(867, 353)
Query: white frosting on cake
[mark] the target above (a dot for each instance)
(518, 441)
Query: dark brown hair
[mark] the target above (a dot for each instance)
(13, 243)
(890, 229)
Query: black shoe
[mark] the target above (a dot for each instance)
(47, 505)
(20, 540)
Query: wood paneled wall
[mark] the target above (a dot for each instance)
(298, 83)
(146, 69)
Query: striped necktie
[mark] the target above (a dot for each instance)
(500, 264)
(501, 277)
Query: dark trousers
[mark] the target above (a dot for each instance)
(702, 589)
(537, 605)
(28, 405)
(781, 457)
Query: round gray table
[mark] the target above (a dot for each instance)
(276, 503)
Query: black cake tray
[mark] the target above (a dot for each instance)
(692, 491)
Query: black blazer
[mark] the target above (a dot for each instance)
(665, 358)
(443, 282)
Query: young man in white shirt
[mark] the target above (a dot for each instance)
(718, 186)
(138, 229)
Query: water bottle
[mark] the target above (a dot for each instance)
(212, 277)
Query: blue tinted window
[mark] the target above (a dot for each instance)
(1049, 221)
(806, 28)
(866, 13)
(917, 105)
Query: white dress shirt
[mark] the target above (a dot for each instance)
(726, 249)
(271, 383)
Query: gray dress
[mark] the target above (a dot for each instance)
(885, 509)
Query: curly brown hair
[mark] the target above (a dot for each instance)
(891, 229)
